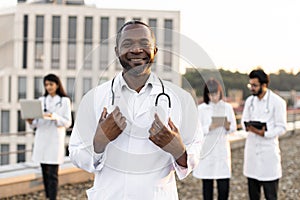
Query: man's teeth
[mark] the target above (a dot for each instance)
(136, 59)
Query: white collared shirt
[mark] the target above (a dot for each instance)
(133, 167)
(262, 159)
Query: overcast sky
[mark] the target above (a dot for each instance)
(236, 34)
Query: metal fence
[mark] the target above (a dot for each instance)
(9, 142)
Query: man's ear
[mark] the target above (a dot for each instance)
(155, 50)
(116, 51)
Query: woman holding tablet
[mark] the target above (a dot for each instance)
(49, 147)
(217, 121)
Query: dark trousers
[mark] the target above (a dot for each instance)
(270, 189)
(208, 189)
(50, 179)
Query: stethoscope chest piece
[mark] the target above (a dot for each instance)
(161, 112)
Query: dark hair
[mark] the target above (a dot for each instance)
(133, 22)
(260, 75)
(53, 78)
(212, 86)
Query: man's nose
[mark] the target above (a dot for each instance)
(136, 49)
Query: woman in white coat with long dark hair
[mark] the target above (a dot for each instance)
(49, 143)
(217, 121)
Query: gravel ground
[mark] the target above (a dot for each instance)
(190, 188)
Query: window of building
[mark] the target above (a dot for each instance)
(56, 28)
(39, 41)
(168, 42)
(168, 32)
(88, 56)
(21, 123)
(39, 27)
(9, 89)
(55, 48)
(4, 157)
(71, 88)
(72, 29)
(55, 55)
(21, 156)
(22, 87)
(39, 54)
(136, 18)
(167, 59)
(71, 56)
(104, 27)
(104, 52)
(153, 25)
(88, 29)
(88, 42)
(86, 85)
(25, 41)
(5, 122)
(120, 22)
(38, 87)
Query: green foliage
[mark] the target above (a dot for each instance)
(281, 81)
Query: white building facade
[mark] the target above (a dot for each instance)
(74, 41)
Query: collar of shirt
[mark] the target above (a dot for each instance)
(153, 83)
(265, 97)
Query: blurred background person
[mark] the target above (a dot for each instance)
(262, 160)
(49, 142)
(217, 120)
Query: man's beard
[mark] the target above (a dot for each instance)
(136, 70)
(258, 93)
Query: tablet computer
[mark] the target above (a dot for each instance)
(257, 124)
(31, 109)
(219, 120)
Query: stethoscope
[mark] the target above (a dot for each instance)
(45, 106)
(156, 100)
(267, 110)
(156, 109)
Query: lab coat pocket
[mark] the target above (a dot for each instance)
(166, 191)
(95, 193)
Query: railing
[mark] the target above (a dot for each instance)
(293, 119)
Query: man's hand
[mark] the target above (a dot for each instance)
(110, 126)
(169, 140)
(260, 132)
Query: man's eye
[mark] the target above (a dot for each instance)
(126, 45)
(145, 44)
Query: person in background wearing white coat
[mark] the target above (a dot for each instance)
(262, 160)
(135, 131)
(215, 160)
(49, 141)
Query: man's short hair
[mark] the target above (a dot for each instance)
(260, 75)
(133, 22)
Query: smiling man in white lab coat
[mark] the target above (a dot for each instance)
(136, 131)
(262, 160)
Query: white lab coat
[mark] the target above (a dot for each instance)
(49, 141)
(262, 160)
(132, 167)
(215, 160)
